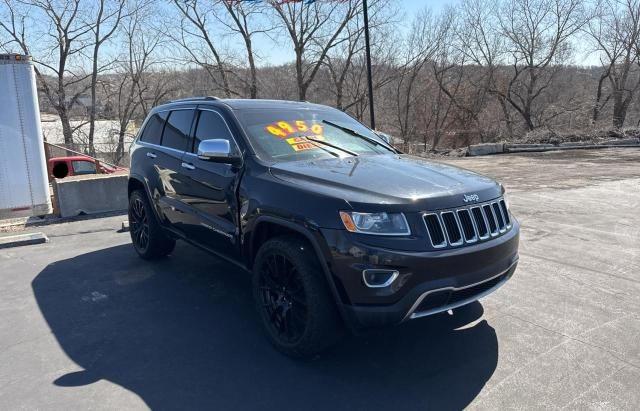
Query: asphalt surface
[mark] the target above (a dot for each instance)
(86, 324)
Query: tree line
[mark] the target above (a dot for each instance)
(479, 70)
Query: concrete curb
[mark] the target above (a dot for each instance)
(23, 239)
(28, 223)
(500, 148)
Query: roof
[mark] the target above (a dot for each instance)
(242, 104)
(71, 158)
(238, 104)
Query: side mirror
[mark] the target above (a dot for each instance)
(217, 150)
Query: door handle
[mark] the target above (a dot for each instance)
(188, 166)
(151, 155)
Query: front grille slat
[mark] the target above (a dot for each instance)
(505, 212)
(451, 228)
(498, 213)
(468, 224)
(481, 223)
(468, 229)
(488, 213)
(434, 228)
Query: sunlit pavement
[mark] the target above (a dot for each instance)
(86, 324)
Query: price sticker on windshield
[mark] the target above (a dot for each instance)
(298, 140)
(303, 146)
(283, 129)
(301, 143)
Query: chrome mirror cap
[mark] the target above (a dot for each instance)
(214, 149)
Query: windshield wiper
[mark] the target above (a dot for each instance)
(356, 134)
(315, 140)
(333, 153)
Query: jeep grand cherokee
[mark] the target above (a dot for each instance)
(340, 230)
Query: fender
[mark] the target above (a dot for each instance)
(143, 181)
(320, 254)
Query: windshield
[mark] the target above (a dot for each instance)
(304, 134)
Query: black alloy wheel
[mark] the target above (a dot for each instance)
(149, 239)
(283, 298)
(139, 225)
(293, 298)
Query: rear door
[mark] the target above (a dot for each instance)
(211, 188)
(145, 156)
(167, 162)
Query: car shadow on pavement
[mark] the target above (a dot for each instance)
(182, 333)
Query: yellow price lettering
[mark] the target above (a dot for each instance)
(301, 125)
(276, 131)
(316, 129)
(285, 126)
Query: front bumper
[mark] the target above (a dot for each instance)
(429, 282)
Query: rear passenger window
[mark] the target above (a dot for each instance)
(153, 130)
(176, 132)
(212, 126)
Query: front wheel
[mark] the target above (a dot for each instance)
(148, 238)
(293, 299)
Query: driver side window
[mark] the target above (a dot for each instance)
(212, 126)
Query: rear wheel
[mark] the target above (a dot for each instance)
(293, 299)
(148, 238)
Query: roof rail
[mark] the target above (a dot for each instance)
(199, 98)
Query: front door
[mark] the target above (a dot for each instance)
(211, 189)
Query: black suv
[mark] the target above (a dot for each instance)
(340, 230)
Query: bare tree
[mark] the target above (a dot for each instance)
(140, 42)
(341, 64)
(103, 25)
(55, 50)
(155, 87)
(195, 37)
(314, 28)
(346, 62)
(615, 34)
(424, 38)
(482, 46)
(537, 34)
(243, 15)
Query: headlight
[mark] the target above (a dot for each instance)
(375, 223)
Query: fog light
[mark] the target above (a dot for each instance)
(379, 278)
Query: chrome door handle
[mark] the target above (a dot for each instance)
(151, 155)
(188, 166)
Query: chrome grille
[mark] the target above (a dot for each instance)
(468, 224)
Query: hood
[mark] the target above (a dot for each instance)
(411, 183)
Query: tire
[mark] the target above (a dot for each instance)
(293, 299)
(149, 239)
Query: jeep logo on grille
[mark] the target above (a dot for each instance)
(469, 198)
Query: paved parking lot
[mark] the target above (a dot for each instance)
(86, 324)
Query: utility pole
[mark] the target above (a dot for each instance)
(368, 51)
